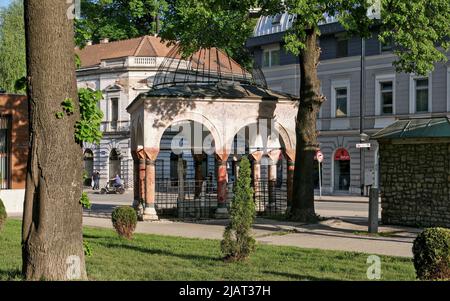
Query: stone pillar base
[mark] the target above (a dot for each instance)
(150, 214)
(222, 213)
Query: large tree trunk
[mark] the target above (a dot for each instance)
(306, 132)
(52, 242)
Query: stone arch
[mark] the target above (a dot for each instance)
(287, 141)
(196, 117)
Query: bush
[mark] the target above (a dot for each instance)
(124, 220)
(432, 254)
(237, 243)
(3, 214)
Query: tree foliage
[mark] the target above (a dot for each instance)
(88, 127)
(238, 243)
(116, 19)
(12, 46)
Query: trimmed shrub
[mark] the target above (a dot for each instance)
(238, 243)
(3, 214)
(431, 251)
(124, 220)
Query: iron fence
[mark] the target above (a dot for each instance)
(190, 199)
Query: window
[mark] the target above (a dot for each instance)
(114, 113)
(271, 58)
(276, 20)
(387, 99)
(4, 152)
(341, 102)
(422, 95)
(341, 46)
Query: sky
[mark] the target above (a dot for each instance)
(4, 2)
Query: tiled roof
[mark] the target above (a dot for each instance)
(151, 46)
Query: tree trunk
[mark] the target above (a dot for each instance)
(52, 241)
(306, 132)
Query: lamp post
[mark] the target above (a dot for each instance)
(361, 112)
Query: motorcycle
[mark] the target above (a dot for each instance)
(112, 189)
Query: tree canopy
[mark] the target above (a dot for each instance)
(117, 19)
(12, 46)
(418, 30)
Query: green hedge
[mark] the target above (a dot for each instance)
(431, 251)
(124, 220)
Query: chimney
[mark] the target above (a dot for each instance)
(104, 41)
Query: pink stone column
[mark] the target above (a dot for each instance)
(222, 180)
(290, 157)
(136, 198)
(150, 180)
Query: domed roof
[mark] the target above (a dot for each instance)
(206, 66)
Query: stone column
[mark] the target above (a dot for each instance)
(136, 197)
(256, 157)
(222, 179)
(274, 156)
(141, 174)
(290, 157)
(150, 177)
(198, 164)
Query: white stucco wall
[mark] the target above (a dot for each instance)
(13, 201)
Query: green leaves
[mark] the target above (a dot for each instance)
(12, 47)
(87, 129)
(419, 31)
(85, 202)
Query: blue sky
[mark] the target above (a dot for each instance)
(4, 2)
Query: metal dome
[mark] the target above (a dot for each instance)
(206, 66)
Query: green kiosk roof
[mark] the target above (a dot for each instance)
(438, 127)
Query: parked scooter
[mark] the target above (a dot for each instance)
(112, 189)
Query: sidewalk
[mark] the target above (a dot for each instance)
(332, 234)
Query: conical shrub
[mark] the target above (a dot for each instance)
(238, 243)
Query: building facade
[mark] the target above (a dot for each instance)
(13, 151)
(388, 96)
(121, 70)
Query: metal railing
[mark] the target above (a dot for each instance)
(190, 199)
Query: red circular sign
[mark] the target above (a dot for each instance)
(342, 155)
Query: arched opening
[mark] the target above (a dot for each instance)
(341, 170)
(88, 166)
(264, 146)
(185, 185)
(114, 163)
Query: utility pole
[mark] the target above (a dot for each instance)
(361, 112)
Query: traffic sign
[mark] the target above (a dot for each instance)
(363, 145)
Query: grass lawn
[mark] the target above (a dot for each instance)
(152, 257)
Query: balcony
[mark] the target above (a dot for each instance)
(115, 126)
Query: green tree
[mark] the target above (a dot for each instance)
(117, 19)
(12, 46)
(238, 243)
(418, 30)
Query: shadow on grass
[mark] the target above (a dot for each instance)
(297, 276)
(13, 274)
(159, 252)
